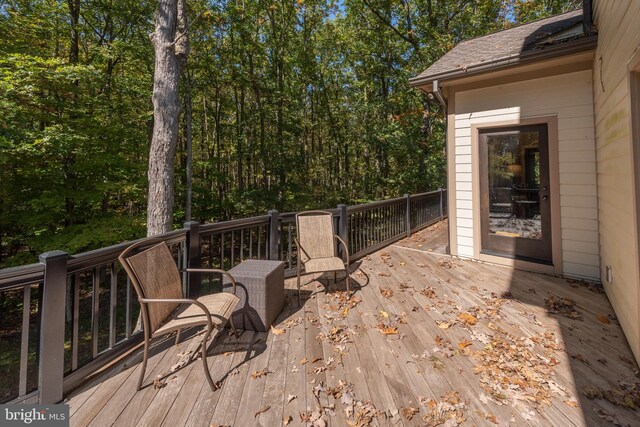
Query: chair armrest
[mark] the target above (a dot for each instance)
(180, 301)
(214, 270)
(344, 244)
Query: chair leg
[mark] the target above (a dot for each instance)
(178, 337)
(346, 278)
(144, 363)
(233, 327)
(298, 276)
(335, 279)
(207, 374)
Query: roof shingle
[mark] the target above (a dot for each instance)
(506, 44)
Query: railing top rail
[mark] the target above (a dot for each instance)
(14, 277)
(234, 224)
(428, 193)
(372, 205)
(109, 254)
(291, 216)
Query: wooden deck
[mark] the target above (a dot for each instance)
(426, 339)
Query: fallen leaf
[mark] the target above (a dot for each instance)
(386, 292)
(261, 410)
(604, 319)
(388, 331)
(464, 344)
(260, 374)
(444, 325)
(571, 403)
(287, 420)
(384, 314)
(277, 331)
(409, 412)
(303, 361)
(467, 318)
(158, 383)
(291, 397)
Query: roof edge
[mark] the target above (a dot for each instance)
(577, 46)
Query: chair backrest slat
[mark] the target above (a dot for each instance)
(156, 275)
(315, 234)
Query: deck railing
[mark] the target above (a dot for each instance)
(73, 314)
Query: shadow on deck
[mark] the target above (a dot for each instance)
(426, 339)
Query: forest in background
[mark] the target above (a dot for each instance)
(287, 104)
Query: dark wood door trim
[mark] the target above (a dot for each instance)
(536, 250)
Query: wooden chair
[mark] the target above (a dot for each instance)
(163, 307)
(316, 243)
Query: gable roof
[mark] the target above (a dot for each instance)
(556, 35)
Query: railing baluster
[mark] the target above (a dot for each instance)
(127, 321)
(95, 312)
(222, 250)
(113, 305)
(75, 319)
(233, 249)
(251, 243)
(242, 245)
(24, 344)
(289, 247)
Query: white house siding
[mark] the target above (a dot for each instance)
(570, 97)
(618, 25)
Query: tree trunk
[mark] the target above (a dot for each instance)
(171, 47)
(188, 135)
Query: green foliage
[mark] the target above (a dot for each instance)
(295, 105)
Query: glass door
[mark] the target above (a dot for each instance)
(514, 185)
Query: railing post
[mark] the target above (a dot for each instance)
(441, 206)
(274, 234)
(52, 311)
(192, 247)
(343, 228)
(407, 219)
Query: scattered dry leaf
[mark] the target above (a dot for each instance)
(262, 410)
(277, 331)
(287, 420)
(386, 292)
(468, 319)
(408, 412)
(260, 374)
(603, 319)
(464, 344)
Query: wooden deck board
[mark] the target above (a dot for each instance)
(391, 372)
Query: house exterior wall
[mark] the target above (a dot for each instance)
(568, 97)
(616, 57)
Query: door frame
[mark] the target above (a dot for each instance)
(554, 187)
(500, 245)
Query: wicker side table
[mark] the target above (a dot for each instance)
(261, 292)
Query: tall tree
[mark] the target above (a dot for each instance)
(171, 44)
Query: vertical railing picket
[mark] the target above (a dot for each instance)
(343, 228)
(407, 218)
(24, 343)
(441, 207)
(52, 311)
(192, 256)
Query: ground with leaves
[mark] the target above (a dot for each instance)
(425, 340)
